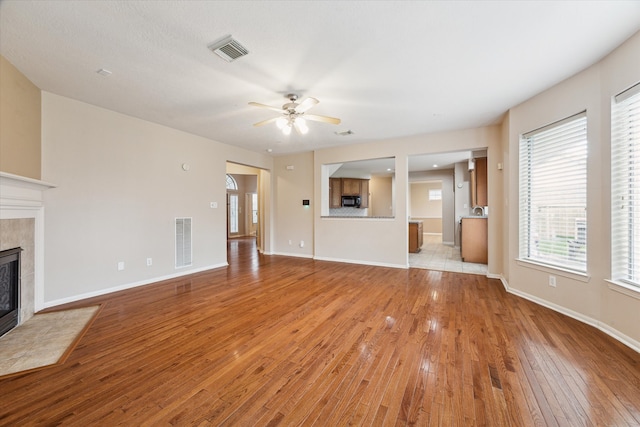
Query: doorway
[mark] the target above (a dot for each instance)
(248, 214)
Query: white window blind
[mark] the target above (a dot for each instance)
(553, 194)
(625, 186)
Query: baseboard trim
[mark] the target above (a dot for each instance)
(361, 262)
(54, 303)
(612, 332)
(294, 255)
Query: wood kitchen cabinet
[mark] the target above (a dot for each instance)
(351, 186)
(335, 192)
(473, 242)
(339, 187)
(479, 183)
(415, 236)
(364, 193)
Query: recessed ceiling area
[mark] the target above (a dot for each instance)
(387, 69)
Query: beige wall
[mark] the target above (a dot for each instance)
(19, 123)
(448, 222)
(381, 196)
(587, 297)
(120, 186)
(293, 221)
(420, 204)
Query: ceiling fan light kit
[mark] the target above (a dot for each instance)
(294, 115)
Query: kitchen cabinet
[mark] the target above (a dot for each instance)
(351, 187)
(479, 183)
(473, 241)
(335, 192)
(339, 187)
(415, 236)
(364, 193)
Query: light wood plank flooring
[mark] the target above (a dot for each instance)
(274, 340)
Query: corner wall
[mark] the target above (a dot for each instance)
(120, 186)
(590, 298)
(20, 117)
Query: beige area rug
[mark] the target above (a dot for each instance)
(45, 339)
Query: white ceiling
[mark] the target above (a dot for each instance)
(388, 69)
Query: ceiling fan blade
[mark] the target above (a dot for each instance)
(257, 104)
(306, 104)
(324, 119)
(266, 122)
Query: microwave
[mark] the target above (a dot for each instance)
(350, 201)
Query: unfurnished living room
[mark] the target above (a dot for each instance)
(329, 213)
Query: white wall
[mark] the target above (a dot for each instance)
(120, 186)
(589, 298)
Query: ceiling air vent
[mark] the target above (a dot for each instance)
(228, 49)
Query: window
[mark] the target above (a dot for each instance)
(625, 186)
(254, 208)
(435, 194)
(231, 183)
(233, 213)
(232, 186)
(553, 194)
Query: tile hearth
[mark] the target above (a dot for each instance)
(43, 339)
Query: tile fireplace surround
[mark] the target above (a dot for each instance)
(21, 225)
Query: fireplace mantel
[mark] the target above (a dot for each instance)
(21, 198)
(19, 192)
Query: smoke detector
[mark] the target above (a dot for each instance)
(228, 49)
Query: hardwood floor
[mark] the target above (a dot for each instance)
(273, 340)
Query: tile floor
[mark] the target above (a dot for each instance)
(42, 340)
(436, 256)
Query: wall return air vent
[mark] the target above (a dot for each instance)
(228, 49)
(183, 242)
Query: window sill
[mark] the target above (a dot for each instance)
(570, 274)
(624, 288)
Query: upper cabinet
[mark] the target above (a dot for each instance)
(364, 193)
(479, 183)
(335, 192)
(339, 187)
(351, 187)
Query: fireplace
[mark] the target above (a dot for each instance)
(9, 289)
(22, 226)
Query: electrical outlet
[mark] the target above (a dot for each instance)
(552, 281)
(302, 243)
(149, 262)
(120, 265)
(290, 242)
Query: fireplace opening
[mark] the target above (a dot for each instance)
(9, 289)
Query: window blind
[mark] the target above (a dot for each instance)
(553, 194)
(625, 186)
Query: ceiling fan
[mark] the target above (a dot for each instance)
(294, 115)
